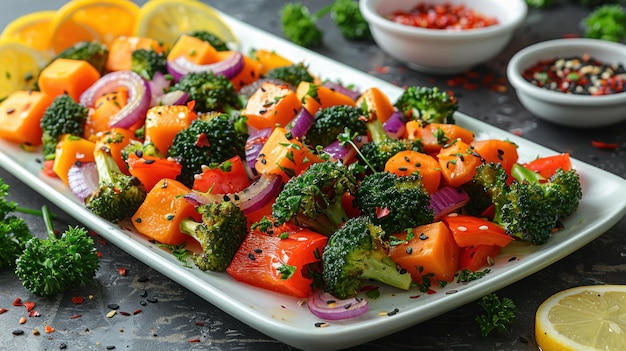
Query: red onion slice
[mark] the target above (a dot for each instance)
(228, 67)
(446, 200)
(159, 85)
(250, 199)
(82, 179)
(344, 152)
(301, 123)
(328, 307)
(254, 144)
(394, 125)
(139, 96)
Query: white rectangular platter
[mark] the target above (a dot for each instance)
(285, 318)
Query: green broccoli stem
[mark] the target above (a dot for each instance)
(383, 269)
(524, 174)
(376, 130)
(328, 222)
(188, 226)
(108, 170)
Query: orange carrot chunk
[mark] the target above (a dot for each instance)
(20, 116)
(68, 76)
(160, 214)
(430, 251)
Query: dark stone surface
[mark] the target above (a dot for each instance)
(162, 315)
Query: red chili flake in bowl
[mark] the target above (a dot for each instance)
(77, 300)
(442, 16)
(582, 75)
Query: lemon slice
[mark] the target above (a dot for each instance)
(583, 318)
(19, 67)
(31, 29)
(92, 20)
(165, 20)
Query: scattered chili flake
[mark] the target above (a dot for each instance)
(124, 313)
(137, 311)
(2, 310)
(194, 340)
(29, 305)
(17, 302)
(604, 146)
(77, 300)
(49, 329)
(381, 212)
(34, 313)
(76, 316)
(122, 271)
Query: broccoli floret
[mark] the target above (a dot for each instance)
(606, 22)
(488, 184)
(211, 92)
(118, 195)
(63, 116)
(348, 18)
(299, 25)
(382, 147)
(430, 105)
(394, 202)
(530, 207)
(221, 232)
(14, 231)
(563, 188)
(94, 53)
(147, 63)
(293, 74)
(210, 38)
(53, 265)
(355, 252)
(208, 140)
(313, 198)
(331, 121)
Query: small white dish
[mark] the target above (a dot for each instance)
(441, 51)
(574, 110)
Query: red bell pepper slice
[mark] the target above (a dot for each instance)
(547, 166)
(476, 257)
(229, 177)
(472, 231)
(279, 259)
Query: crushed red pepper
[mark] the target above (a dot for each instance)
(442, 16)
(604, 146)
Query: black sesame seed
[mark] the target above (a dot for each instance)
(113, 306)
(152, 300)
(18, 332)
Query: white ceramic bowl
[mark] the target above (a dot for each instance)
(568, 109)
(443, 51)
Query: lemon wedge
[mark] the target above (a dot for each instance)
(583, 318)
(19, 66)
(165, 20)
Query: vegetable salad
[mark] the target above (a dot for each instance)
(173, 137)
